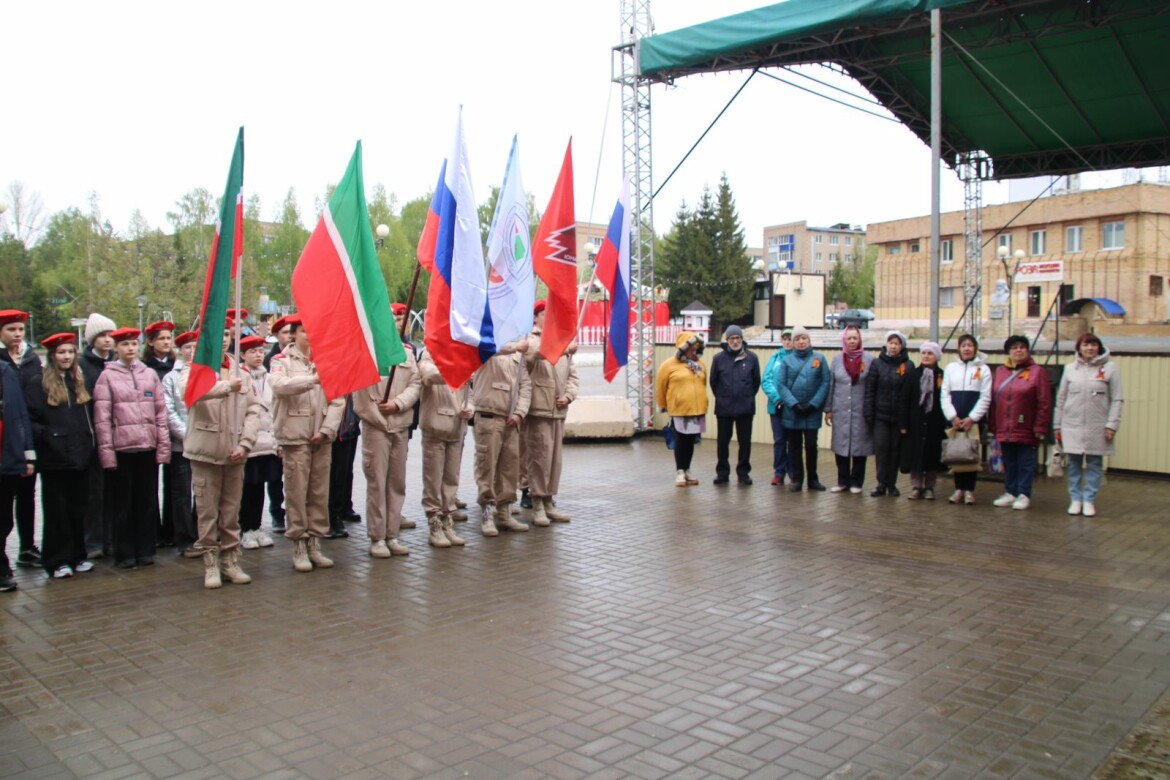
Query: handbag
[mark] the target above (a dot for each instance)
(1057, 461)
(668, 435)
(961, 450)
(995, 463)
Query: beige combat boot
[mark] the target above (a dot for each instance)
(316, 557)
(231, 568)
(437, 538)
(487, 525)
(301, 556)
(449, 531)
(211, 577)
(551, 512)
(504, 519)
(539, 518)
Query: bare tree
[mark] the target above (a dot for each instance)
(26, 212)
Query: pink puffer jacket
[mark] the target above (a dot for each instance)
(130, 413)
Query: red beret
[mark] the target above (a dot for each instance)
(237, 314)
(539, 306)
(293, 319)
(57, 339)
(186, 338)
(125, 334)
(159, 327)
(278, 325)
(250, 342)
(398, 308)
(8, 316)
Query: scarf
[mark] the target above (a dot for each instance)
(852, 358)
(926, 389)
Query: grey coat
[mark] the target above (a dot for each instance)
(1089, 401)
(851, 435)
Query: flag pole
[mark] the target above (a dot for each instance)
(402, 330)
(236, 352)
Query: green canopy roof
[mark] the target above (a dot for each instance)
(1023, 80)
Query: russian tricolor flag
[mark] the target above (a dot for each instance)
(613, 271)
(450, 250)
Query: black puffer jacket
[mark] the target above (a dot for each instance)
(91, 367)
(883, 387)
(735, 381)
(63, 434)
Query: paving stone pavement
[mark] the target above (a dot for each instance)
(725, 631)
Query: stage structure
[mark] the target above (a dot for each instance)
(1016, 87)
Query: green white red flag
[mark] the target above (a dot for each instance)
(340, 293)
(226, 251)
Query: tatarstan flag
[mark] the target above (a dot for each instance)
(226, 250)
(341, 295)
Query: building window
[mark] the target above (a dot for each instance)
(834, 240)
(915, 247)
(1004, 240)
(817, 258)
(947, 250)
(1067, 294)
(1038, 242)
(819, 239)
(1074, 239)
(946, 297)
(848, 240)
(834, 257)
(1155, 286)
(894, 249)
(1113, 235)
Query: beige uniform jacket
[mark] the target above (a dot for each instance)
(501, 386)
(210, 438)
(404, 392)
(440, 416)
(300, 410)
(549, 381)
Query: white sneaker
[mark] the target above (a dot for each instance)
(379, 550)
(62, 571)
(855, 490)
(969, 497)
(84, 566)
(838, 489)
(1007, 499)
(263, 539)
(690, 479)
(956, 497)
(249, 542)
(680, 478)
(1075, 508)
(1021, 502)
(1090, 509)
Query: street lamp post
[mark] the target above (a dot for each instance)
(382, 231)
(1019, 254)
(141, 306)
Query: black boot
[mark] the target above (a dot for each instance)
(337, 529)
(525, 499)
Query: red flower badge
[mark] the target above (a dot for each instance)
(902, 370)
(816, 362)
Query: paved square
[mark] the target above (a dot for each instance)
(701, 632)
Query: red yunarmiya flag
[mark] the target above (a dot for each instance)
(226, 251)
(555, 261)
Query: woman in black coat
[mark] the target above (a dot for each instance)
(59, 406)
(923, 424)
(888, 375)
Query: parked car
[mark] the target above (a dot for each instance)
(859, 317)
(831, 320)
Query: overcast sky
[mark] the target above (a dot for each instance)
(140, 101)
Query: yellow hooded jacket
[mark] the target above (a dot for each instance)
(682, 392)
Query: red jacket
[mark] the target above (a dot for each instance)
(130, 414)
(1021, 412)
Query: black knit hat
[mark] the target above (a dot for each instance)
(1015, 339)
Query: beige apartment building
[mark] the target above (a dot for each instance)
(1110, 243)
(799, 248)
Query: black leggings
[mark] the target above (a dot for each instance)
(802, 442)
(684, 449)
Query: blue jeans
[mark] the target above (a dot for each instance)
(1087, 468)
(779, 447)
(1019, 467)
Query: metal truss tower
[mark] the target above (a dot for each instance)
(636, 163)
(973, 168)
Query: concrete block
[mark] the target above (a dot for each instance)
(599, 417)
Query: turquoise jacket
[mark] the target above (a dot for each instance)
(804, 379)
(771, 380)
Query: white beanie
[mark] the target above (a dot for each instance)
(97, 324)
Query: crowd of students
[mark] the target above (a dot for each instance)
(898, 412)
(97, 421)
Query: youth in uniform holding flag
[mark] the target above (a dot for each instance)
(305, 424)
(554, 387)
(443, 420)
(500, 395)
